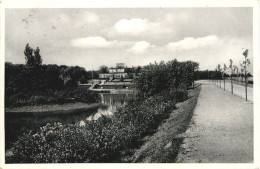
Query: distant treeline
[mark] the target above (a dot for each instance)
(25, 84)
(208, 74)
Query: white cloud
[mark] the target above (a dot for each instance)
(92, 42)
(133, 26)
(140, 47)
(138, 26)
(91, 17)
(190, 43)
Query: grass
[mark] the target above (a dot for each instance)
(54, 108)
(163, 146)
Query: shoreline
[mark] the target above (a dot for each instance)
(54, 108)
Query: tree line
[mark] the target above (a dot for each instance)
(24, 81)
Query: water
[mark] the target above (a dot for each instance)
(18, 123)
(111, 104)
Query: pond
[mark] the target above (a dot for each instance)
(21, 122)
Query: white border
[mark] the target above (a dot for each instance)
(138, 4)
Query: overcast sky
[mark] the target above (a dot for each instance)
(94, 37)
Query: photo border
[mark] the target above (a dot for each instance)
(138, 4)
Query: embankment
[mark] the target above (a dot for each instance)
(54, 109)
(163, 146)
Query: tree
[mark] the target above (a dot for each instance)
(137, 70)
(224, 74)
(103, 69)
(219, 71)
(33, 57)
(235, 72)
(231, 67)
(72, 75)
(244, 66)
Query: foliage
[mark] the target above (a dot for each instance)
(110, 139)
(172, 75)
(103, 69)
(107, 139)
(208, 74)
(33, 85)
(71, 75)
(32, 57)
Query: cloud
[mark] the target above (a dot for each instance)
(140, 47)
(92, 42)
(91, 17)
(190, 43)
(138, 26)
(133, 26)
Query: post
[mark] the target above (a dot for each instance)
(224, 82)
(245, 80)
(246, 86)
(231, 83)
(246, 62)
(231, 67)
(220, 81)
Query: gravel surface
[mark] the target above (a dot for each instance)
(238, 89)
(221, 129)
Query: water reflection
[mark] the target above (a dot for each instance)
(111, 104)
(20, 122)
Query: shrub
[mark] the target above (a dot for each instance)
(173, 75)
(107, 139)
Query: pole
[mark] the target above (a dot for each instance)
(231, 82)
(224, 82)
(245, 80)
(220, 82)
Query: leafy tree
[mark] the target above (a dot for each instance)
(33, 57)
(171, 76)
(231, 68)
(72, 75)
(103, 69)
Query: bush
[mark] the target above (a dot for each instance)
(107, 139)
(163, 77)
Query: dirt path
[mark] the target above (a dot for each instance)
(238, 90)
(221, 129)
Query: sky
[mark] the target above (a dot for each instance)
(135, 36)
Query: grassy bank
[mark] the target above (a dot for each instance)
(54, 108)
(51, 97)
(163, 146)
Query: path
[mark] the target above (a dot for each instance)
(221, 129)
(238, 90)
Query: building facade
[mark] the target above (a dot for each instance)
(118, 72)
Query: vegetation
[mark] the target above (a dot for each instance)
(103, 69)
(112, 139)
(33, 57)
(170, 77)
(34, 83)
